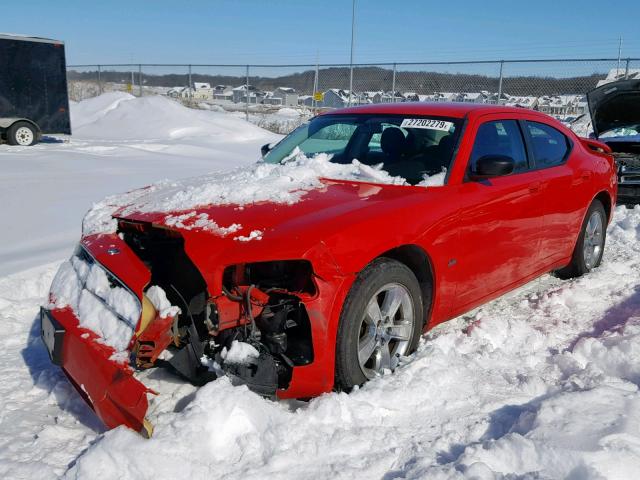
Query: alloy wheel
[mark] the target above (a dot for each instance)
(386, 329)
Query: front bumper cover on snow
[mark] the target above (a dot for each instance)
(107, 385)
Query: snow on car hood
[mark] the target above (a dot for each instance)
(283, 183)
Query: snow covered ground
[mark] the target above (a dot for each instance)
(540, 384)
(119, 143)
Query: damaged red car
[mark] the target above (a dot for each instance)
(457, 205)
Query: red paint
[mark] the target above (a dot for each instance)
(482, 238)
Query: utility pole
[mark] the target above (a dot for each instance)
(314, 102)
(246, 91)
(619, 54)
(353, 21)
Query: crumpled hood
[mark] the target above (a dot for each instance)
(318, 213)
(614, 105)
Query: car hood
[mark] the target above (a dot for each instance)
(329, 214)
(614, 105)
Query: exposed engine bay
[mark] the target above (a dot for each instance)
(627, 156)
(260, 304)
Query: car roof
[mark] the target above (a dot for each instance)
(444, 109)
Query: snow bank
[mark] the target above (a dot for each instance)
(542, 383)
(120, 116)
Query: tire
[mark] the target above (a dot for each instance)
(385, 283)
(589, 248)
(23, 134)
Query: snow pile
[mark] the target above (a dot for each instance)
(240, 353)
(161, 303)
(277, 183)
(78, 284)
(120, 116)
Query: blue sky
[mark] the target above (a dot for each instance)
(287, 31)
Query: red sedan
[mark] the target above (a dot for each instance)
(331, 289)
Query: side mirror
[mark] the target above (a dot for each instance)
(264, 149)
(493, 166)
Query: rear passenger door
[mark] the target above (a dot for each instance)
(564, 185)
(500, 218)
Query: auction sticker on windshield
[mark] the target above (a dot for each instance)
(429, 123)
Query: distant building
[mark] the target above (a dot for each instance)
(247, 94)
(223, 92)
(472, 97)
(179, 92)
(562, 105)
(284, 96)
(306, 100)
(335, 98)
(202, 91)
(524, 102)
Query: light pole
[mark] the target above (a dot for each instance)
(353, 21)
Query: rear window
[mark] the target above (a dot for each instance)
(550, 146)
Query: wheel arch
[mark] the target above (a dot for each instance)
(604, 198)
(7, 123)
(419, 262)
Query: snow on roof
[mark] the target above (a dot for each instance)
(286, 89)
(198, 85)
(560, 100)
(522, 101)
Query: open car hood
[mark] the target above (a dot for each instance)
(614, 105)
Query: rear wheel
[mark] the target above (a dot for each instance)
(22, 133)
(589, 248)
(381, 321)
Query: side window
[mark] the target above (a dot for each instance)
(550, 147)
(501, 137)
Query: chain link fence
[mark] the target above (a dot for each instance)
(553, 86)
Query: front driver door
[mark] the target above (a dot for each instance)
(500, 218)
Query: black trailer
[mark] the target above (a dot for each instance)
(33, 89)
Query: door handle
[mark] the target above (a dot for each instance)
(534, 187)
(586, 175)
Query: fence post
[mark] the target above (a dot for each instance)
(314, 103)
(100, 80)
(500, 83)
(246, 95)
(626, 69)
(189, 87)
(139, 80)
(393, 85)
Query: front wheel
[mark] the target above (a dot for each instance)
(22, 133)
(381, 321)
(589, 248)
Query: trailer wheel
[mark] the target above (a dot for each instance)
(22, 133)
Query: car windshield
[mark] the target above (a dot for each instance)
(408, 146)
(628, 131)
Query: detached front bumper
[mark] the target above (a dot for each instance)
(107, 384)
